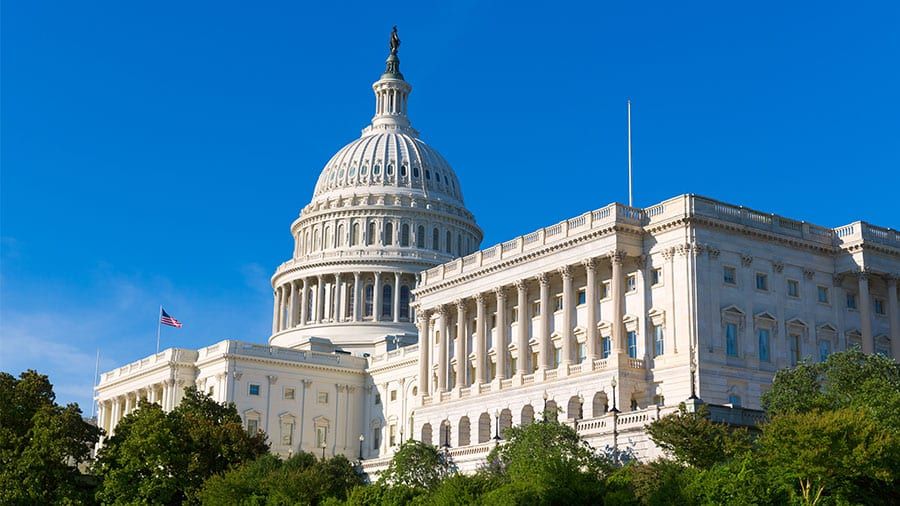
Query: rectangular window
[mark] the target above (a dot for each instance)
(762, 282)
(536, 308)
(534, 362)
(288, 393)
(582, 353)
(254, 389)
(659, 340)
(879, 306)
(851, 301)
(321, 436)
(734, 400)
(212, 391)
(793, 287)
(606, 346)
(392, 435)
(559, 302)
(393, 395)
(630, 283)
(252, 426)
(824, 349)
(323, 398)
(287, 433)
(822, 294)
(557, 357)
(632, 344)
(794, 343)
(763, 335)
(494, 320)
(377, 398)
(729, 275)
(731, 344)
(605, 290)
(582, 296)
(656, 276)
(514, 316)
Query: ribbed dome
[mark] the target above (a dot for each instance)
(385, 159)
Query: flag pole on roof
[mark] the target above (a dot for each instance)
(165, 319)
(158, 325)
(630, 200)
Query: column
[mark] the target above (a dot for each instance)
(376, 298)
(128, 404)
(422, 324)
(544, 345)
(151, 394)
(320, 299)
(113, 415)
(500, 346)
(282, 302)
(304, 302)
(590, 266)
(292, 317)
(566, 273)
(522, 328)
(618, 295)
(894, 314)
(338, 298)
(357, 294)
(865, 317)
(275, 311)
(480, 351)
(442, 349)
(461, 359)
(396, 293)
(169, 402)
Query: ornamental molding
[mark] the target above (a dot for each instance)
(809, 273)
(778, 266)
(746, 260)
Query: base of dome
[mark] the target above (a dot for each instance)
(353, 337)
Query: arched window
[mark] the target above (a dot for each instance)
(370, 293)
(435, 239)
(449, 243)
(387, 301)
(388, 234)
(370, 237)
(404, 235)
(404, 302)
(310, 305)
(463, 438)
(316, 245)
(459, 250)
(420, 237)
(340, 236)
(327, 238)
(354, 235)
(307, 247)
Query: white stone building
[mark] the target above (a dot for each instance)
(390, 323)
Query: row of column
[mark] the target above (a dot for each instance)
(111, 411)
(865, 313)
(425, 323)
(292, 306)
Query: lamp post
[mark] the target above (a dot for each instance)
(580, 414)
(613, 383)
(497, 425)
(323, 449)
(693, 396)
(615, 412)
(361, 439)
(544, 413)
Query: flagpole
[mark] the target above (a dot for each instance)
(630, 201)
(94, 382)
(158, 325)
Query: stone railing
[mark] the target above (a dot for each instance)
(171, 355)
(400, 353)
(243, 349)
(862, 231)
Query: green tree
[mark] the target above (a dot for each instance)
(844, 454)
(164, 458)
(695, 440)
(416, 465)
(42, 444)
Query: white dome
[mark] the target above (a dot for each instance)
(382, 160)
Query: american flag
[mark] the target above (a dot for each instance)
(165, 319)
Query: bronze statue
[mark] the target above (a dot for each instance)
(395, 41)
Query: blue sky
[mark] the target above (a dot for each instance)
(156, 153)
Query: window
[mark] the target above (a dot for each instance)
(630, 283)
(582, 352)
(656, 276)
(582, 296)
(659, 340)
(606, 346)
(287, 433)
(376, 438)
(392, 435)
(404, 235)
(559, 303)
(514, 314)
(393, 395)
(211, 391)
(369, 294)
(763, 335)
(387, 300)
(420, 237)
(404, 302)
(793, 288)
(252, 425)
(605, 290)
(388, 234)
(354, 235)
(824, 349)
(729, 275)
(879, 305)
(448, 243)
(377, 398)
(851, 301)
(536, 308)
(435, 238)
(321, 436)
(822, 292)
(322, 398)
(762, 282)
(557, 357)
(254, 389)
(794, 343)
(288, 393)
(734, 400)
(731, 344)
(632, 344)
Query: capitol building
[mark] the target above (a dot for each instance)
(390, 321)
